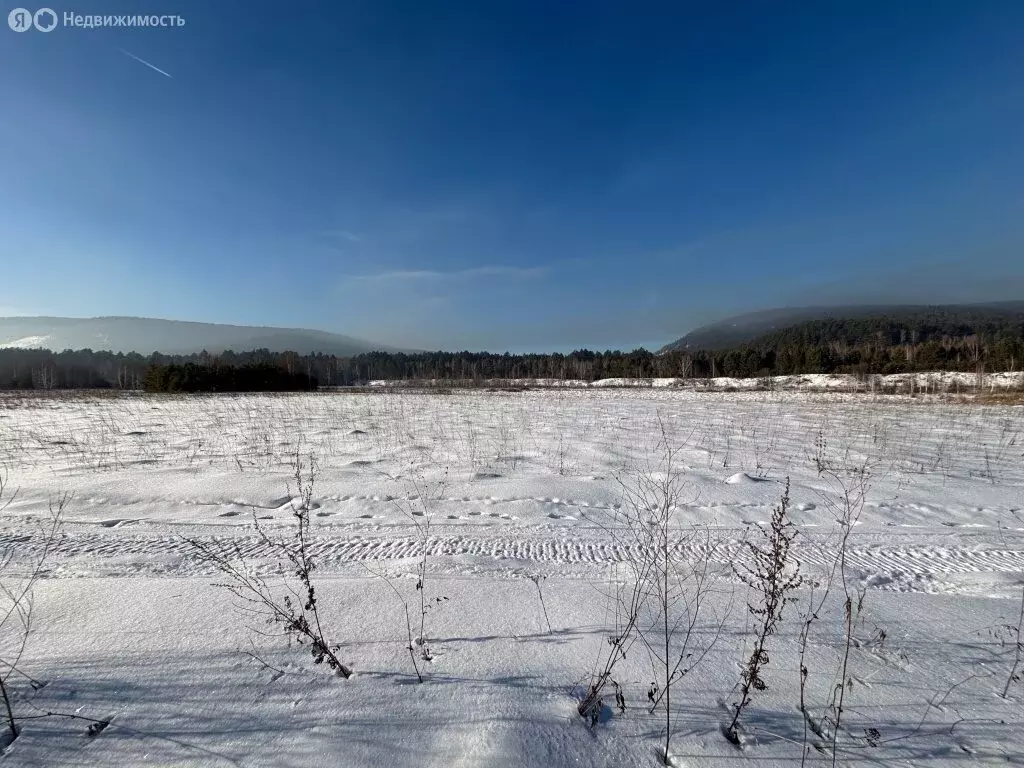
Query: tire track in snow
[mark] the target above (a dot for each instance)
(117, 547)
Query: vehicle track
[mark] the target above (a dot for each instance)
(81, 547)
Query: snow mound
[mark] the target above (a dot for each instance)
(743, 477)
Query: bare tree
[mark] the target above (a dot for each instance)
(293, 607)
(680, 577)
(421, 514)
(410, 641)
(631, 592)
(676, 641)
(17, 598)
(669, 578)
(772, 576)
(631, 595)
(845, 497)
(1011, 633)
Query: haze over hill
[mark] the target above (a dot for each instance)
(173, 337)
(740, 329)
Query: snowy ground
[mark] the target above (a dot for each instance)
(522, 492)
(933, 382)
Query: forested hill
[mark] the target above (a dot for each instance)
(931, 338)
(846, 321)
(938, 324)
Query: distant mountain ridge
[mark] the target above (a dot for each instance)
(741, 329)
(173, 337)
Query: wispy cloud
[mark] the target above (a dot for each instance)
(143, 61)
(343, 234)
(413, 275)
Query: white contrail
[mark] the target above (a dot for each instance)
(143, 61)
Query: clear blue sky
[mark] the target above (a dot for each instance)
(512, 175)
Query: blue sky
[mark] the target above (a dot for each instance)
(512, 175)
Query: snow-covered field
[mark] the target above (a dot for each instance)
(524, 493)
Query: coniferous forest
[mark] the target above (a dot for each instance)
(925, 341)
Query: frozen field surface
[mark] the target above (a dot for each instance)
(524, 493)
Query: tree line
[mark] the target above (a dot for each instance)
(860, 346)
(252, 377)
